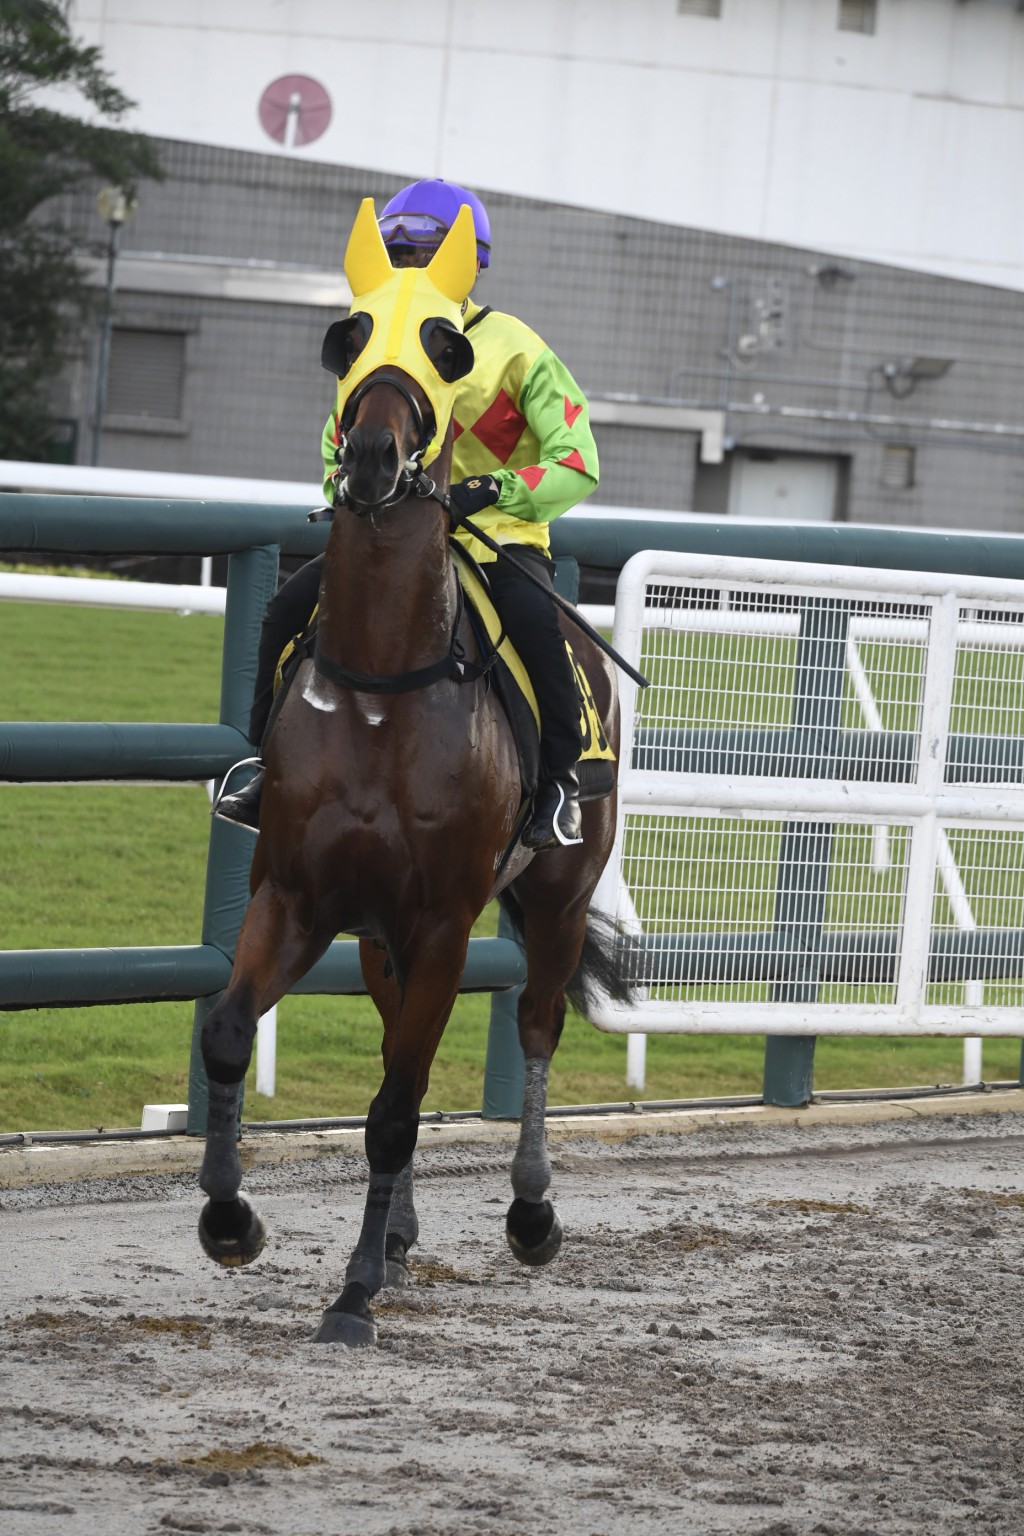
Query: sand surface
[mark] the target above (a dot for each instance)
(764, 1330)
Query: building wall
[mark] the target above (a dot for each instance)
(902, 145)
(780, 350)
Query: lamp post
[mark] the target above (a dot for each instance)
(115, 208)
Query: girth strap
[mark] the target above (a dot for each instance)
(455, 666)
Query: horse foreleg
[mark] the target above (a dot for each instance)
(427, 984)
(273, 951)
(403, 1226)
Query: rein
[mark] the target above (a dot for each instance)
(426, 487)
(413, 480)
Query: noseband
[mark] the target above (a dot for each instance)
(412, 470)
(412, 480)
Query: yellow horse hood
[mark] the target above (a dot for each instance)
(396, 311)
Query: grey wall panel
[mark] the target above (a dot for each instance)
(791, 344)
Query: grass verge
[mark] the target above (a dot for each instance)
(88, 866)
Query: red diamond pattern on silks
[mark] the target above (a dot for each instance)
(533, 474)
(500, 427)
(571, 412)
(574, 460)
(459, 429)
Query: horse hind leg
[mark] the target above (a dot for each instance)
(402, 1231)
(532, 1227)
(554, 932)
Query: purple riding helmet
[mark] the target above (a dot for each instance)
(423, 214)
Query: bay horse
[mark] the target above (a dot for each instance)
(393, 791)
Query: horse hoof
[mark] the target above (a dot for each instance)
(231, 1232)
(534, 1231)
(346, 1328)
(395, 1263)
(396, 1275)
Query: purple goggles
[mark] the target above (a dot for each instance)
(416, 229)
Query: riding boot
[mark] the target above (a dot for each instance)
(556, 815)
(286, 616)
(243, 807)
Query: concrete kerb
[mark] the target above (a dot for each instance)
(35, 1163)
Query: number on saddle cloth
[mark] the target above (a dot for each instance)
(596, 767)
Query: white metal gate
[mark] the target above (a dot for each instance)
(821, 823)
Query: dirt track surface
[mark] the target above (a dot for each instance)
(768, 1331)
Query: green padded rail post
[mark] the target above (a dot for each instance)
(252, 581)
(789, 1070)
(505, 1066)
(802, 889)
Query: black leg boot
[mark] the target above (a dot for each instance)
(556, 813)
(243, 807)
(286, 617)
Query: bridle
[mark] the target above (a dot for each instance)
(413, 480)
(411, 475)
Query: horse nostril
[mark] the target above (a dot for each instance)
(371, 461)
(351, 450)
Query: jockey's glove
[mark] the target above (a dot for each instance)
(469, 496)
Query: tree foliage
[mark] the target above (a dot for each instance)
(44, 154)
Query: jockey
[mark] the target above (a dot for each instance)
(523, 455)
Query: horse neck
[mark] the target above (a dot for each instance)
(387, 599)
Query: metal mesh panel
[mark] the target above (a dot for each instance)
(976, 951)
(988, 698)
(822, 809)
(780, 684)
(706, 901)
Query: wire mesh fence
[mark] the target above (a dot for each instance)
(823, 807)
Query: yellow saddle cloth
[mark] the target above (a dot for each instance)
(596, 747)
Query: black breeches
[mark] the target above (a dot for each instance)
(531, 622)
(287, 615)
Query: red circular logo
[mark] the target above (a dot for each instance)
(294, 110)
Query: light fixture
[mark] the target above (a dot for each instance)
(829, 273)
(902, 375)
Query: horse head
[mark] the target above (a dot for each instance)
(398, 358)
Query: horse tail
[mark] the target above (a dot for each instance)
(606, 965)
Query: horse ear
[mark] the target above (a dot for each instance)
(367, 265)
(452, 268)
